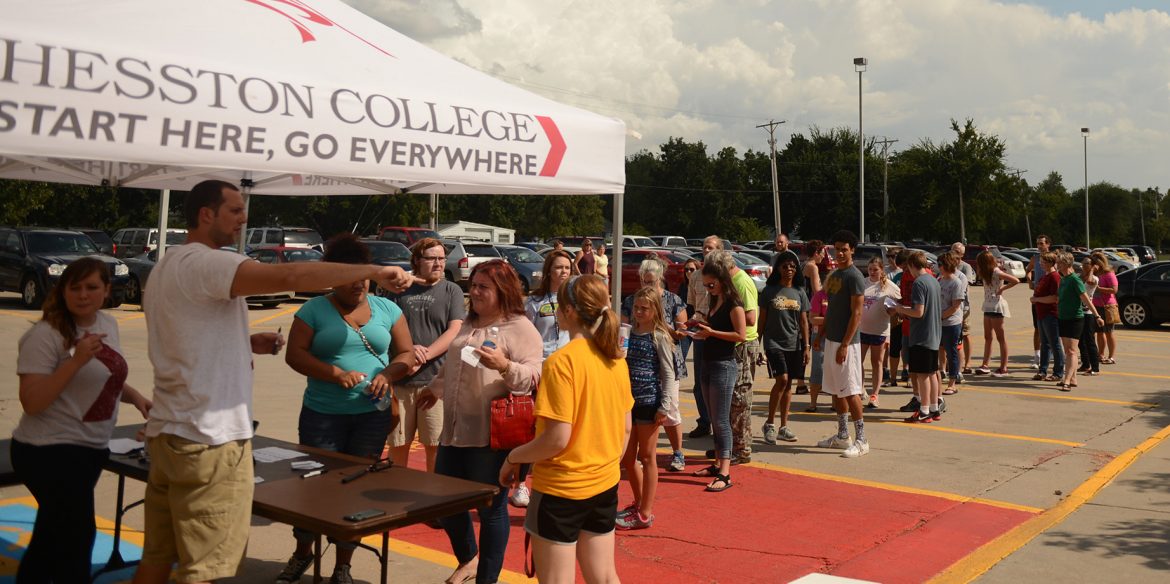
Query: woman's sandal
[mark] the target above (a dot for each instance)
(725, 479)
(1063, 387)
(950, 391)
(1109, 361)
(710, 471)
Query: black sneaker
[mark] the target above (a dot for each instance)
(911, 406)
(802, 390)
(936, 415)
(942, 405)
(341, 575)
(296, 567)
(700, 431)
(710, 454)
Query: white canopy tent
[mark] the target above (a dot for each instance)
(283, 97)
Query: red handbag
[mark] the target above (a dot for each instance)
(513, 421)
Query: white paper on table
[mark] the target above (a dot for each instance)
(275, 454)
(124, 445)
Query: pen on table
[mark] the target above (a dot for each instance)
(312, 473)
(276, 345)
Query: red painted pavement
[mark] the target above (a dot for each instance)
(774, 526)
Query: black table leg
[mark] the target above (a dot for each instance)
(317, 559)
(385, 553)
(116, 562)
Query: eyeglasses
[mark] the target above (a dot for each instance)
(434, 259)
(689, 270)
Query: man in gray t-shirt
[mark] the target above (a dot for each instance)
(925, 314)
(434, 310)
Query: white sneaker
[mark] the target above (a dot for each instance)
(835, 441)
(857, 449)
(520, 496)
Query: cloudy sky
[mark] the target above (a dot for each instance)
(1031, 72)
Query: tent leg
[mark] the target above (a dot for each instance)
(246, 191)
(164, 206)
(615, 254)
(434, 211)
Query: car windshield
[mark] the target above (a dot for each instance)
(522, 255)
(301, 237)
(643, 241)
(173, 237)
(60, 243)
(390, 251)
(302, 255)
(481, 250)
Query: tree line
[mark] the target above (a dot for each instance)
(682, 189)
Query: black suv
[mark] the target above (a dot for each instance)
(32, 258)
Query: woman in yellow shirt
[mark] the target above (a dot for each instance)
(582, 425)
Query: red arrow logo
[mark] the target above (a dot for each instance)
(556, 150)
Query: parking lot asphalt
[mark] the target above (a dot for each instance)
(1019, 482)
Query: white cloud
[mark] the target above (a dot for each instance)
(713, 70)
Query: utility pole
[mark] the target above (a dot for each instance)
(885, 142)
(771, 127)
(1142, 213)
(1027, 203)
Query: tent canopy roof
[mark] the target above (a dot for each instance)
(298, 97)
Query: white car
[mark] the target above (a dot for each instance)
(1014, 264)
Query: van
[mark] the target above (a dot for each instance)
(135, 241)
(406, 235)
(261, 237)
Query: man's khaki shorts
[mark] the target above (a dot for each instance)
(427, 423)
(198, 506)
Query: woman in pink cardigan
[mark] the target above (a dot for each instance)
(475, 373)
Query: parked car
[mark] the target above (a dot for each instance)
(575, 241)
(1118, 263)
(535, 246)
(693, 242)
(632, 259)
(132, 241)
(755, 268)
(669, 240)
(1015, 264)
(140, 267)
(289, 255)
(633, 241)
(867, 251)
(101, 239)
(262, 237)
(527, 263)
(32, 258)
(1143, 295)
(406, 235)
(1145, 253)
(767, 244)
(1125, 252)
(387, 253)
(464, 255)
(765, 255)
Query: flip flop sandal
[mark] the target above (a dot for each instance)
(1063, 387)
(810, 410)
(710, 471)
(725, 479)
(950, 391)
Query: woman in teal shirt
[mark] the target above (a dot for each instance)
(1071, 302)
(342, 342)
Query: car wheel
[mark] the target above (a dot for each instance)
(271, 304)
(115, 300)
(31, 295)
(1135, 314)
(134, 290)
(450, 277)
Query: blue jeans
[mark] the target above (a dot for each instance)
(482, 465)
(1050, 344)
(718, 385)
(700, 399)
(357, 434)
(951, 335)
(1090, 355)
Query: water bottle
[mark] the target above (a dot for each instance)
(624, 338)
(382, 403)
(493, 335)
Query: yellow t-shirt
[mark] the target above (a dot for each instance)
(581, 387)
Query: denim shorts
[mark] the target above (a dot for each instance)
(817, 368)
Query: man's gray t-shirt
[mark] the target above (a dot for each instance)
(784, 307)
(926, 331)
(950, 290)
(841, 286)
(428, 310)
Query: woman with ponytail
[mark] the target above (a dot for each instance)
(582, 425)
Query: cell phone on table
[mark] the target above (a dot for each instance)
(364, 515)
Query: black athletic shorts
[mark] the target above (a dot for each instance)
(789, 363)
(644, 414)
(923, 360)
(1071, 329)
(562, 520)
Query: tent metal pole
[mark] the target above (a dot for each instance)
(615, 255)
(164, 206)
(434, 211)
(246, 190)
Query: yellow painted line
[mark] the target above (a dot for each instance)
(1064, 397)
(957, 430)
(427, 554)
(895, 488)
(1142, 375)
(273, 316)
(994, 551)
(132, 317)
(31, 316)
(985, 434)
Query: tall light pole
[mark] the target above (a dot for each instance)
(771, 127)
(1085, 135)
(859, 64)
(1027, 203)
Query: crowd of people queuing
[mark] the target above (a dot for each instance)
(417, 364)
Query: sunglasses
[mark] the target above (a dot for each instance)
(689, 270)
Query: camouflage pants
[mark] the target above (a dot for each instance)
(746, 356)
